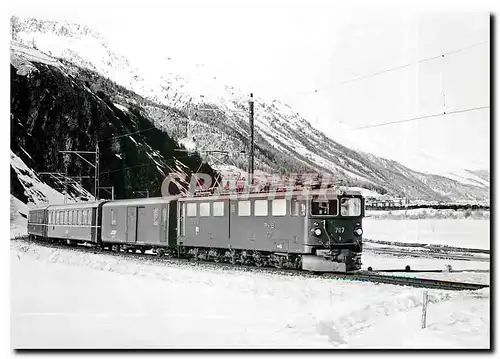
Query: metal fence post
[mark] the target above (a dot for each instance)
(424, 309)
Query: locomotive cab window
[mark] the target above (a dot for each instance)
(113, 217)
(325, 208)
(350, 207)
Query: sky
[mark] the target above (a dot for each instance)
(308, 56)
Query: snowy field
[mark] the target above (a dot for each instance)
(68, 299)
(453, 232)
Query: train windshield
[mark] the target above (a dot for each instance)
(350, 207)
(325, 208)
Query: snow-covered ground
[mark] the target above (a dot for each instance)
(428, 213)
(453, 232)
(67, 299)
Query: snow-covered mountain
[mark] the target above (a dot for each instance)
(200, 110)
(58, 107)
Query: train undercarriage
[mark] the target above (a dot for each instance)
(322, 260)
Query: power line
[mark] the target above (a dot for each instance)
(127, 134)
(127, 168)
(309, 92)
(421, 117)
(414, 63)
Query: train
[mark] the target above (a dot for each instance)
(311, 231)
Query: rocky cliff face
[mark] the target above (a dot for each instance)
(53, 110)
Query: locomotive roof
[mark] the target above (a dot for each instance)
(270, 195)
(139, 201)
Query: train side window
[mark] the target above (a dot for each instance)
(89, 217)
(295, 208)
(279, 207)
(79, 217)
(113, 217)
(191, 209)
(84, 216)
(218, 209)
(164, 213)
(260, 208)
(70, 217)
(205, 209)
(244, 208)
(156, 215)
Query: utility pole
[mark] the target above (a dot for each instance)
(251, 159)
(96, 167)
(66, 186)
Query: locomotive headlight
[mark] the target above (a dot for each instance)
(317, 232)
(358, 231)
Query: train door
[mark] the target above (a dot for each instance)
(144, 225)
(131, 224)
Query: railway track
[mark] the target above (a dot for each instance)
(411, 281)
(361, 276)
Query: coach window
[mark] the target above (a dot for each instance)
(205, 209)
(164, 213)
(89, 217)
(113, 217)
(70, 217)
(156, 215)
(84, 217)
(244, 208)
(79, 217)
(191, 209)
(260, 208)
(279, 207)
(218, 209)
